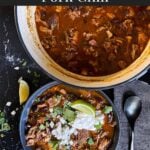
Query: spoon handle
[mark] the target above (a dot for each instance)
(132, 140)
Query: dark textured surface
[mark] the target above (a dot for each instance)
(142, 126)
(13, 55)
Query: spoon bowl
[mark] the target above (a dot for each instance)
(132, 108)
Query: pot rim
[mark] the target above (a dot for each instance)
(138, 75)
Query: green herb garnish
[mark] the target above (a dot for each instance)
(98, 126)
(37, 100)
(47, 124)
(69, 114)
(57, 97)
(58, 110)
(107, 109)
(67, 104)
(36, 75)
(4, 126)
(53, 114)
(24, 64)
(42, 127)
(90, 141)
(53, 145)
(2, 135)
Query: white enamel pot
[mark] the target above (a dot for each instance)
(25, 22)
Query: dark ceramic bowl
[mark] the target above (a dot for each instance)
(25, 112)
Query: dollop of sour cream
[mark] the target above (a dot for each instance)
(84, 121)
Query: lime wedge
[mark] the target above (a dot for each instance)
(24, 91)
(84, 107)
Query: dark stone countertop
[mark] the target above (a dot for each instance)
(12, 58)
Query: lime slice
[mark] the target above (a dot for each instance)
(84, 107)
(24, 91)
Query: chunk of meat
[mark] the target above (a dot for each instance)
(84, 72)
(87, 36)
(135, 48)
(74, 39)
(53, 22)
(45, 30)
(59, 9)
(113, 45)
(30, 142)
(111, 57)
(110, 15)
(83, 135)
(93, 42)
(142, 38)
(38, 19)
(109, 34)
(122, 64)
(41, 120)
(53, 101)
(127, 26)
(104, 144)
(95, 22)
(75, 13)
(130, 12)
(63, 91)
(31, 133)
(42, 105)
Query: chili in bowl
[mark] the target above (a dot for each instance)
(59, 117)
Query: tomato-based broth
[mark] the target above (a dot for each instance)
(70, 119)
(93, 41)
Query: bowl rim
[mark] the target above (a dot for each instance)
(137, 76)
(28, 105)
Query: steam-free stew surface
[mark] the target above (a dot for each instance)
(93, 41)
(52, 122)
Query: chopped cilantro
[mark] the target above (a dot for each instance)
(2, 120)
(90, 141)
(98, 126)
(58, 96)
(37, 75)
(69, 115)
(107, 109)
(42, 127)
(35, 82)
(67, 104)
(53, 145)
(48, 116)
(24, 64)
(53, 114)
(28, 71)
(37, 100)
(2, 135)
(47, 124)
(4, 126)
(58, 110)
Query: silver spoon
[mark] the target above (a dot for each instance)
(132, 109)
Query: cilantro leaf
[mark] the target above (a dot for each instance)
(53, 145)
(98, 126)
(58, 110)
(107, 109)
(4, 126)
(42, 127)
(90, 141)
(69, 114)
